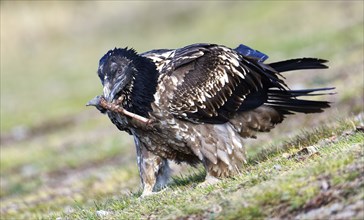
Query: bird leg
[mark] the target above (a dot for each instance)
(115, 107)
(154, 170)
(209, 181)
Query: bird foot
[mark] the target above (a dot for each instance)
(147, 193)
(209, 181)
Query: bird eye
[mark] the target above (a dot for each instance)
(113, 67)
(119, 71)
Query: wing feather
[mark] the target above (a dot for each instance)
(213, 82)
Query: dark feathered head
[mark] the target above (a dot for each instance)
(116, 70)
(124, 71)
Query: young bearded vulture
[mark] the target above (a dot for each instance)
(196, 104)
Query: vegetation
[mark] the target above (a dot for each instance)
(61, 160)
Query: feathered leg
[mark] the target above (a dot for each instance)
(154, 170)
(211, 177)
(221, 151)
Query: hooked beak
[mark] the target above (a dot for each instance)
(94, 102)
(110, 91)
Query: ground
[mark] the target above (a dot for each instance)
(61, 160)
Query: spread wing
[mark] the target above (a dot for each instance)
(213, 82)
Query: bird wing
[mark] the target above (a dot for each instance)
(211, 82)
(160, 57)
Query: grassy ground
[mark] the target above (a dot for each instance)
(62, 160)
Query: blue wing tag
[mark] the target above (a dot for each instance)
(249, 52)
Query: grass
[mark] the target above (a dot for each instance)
(60, 159)
(284, 177)
(253, 193)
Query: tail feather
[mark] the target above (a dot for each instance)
(299, 64)
(286, 101)
(301, 92)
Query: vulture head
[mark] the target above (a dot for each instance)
(117, 70)
(124, 72)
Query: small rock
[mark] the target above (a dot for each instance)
(349, 132)
(216, 209)
(359, 128)
(333, 139)
(277, 167)
(312, 150)
(307, 151)
(325, 185)
(102, 213)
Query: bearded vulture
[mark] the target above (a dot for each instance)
(202, 101)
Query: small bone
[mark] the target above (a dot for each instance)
(114, 107)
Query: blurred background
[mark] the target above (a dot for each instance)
(55, 150)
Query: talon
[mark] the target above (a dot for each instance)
(209, 181)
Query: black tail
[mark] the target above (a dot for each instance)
(286, 101)
(299, 64)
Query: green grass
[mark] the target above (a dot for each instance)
(283, 178)
(61, 159)
(253, 193)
